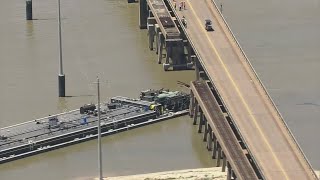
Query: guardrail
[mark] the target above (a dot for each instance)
(263, 87)
(222, 100)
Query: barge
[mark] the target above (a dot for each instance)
(60, 130)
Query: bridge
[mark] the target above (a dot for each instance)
(241, 121)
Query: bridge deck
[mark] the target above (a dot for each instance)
(223, 131)
(261, 126)
(164, 19)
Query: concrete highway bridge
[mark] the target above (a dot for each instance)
(241, 124)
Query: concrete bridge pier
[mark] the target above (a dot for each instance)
(196, 66)
(215, 146)
(175, 57)
(195, 116)
(229, 171)
(160, 46)
(169, 46)
(190, 52)
(151, 33)
(150, 13)
(209, 139)
(157, 29)
(29, 9)
(224, 161)
(201, 121)
(191, 105)
(178, 58)
(143, 14)
(233, 175)
(151, 21)
(219, 154)
(205, 134)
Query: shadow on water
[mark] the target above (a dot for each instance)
(46, 19)
(82, 95)
(199, 147)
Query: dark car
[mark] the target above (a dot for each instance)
(208, 25)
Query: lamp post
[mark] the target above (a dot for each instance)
(61, 76)
(99, 133)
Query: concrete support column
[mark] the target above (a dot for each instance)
(191, 105)
(151, 32)
(233, 175)
(196, 65)
(219, 155)
(169, 47)
(157, 28)
(143, 14)
(215, 144)
(229, 171)
(224, 161)
(189, 49)
(205, 134)
(29, 9)
(169, 52)
(62, 85)
(180, 59)
(160, 46)
(195, 116)
(209, 140)
(201, 121)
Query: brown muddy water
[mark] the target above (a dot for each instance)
(102, 37)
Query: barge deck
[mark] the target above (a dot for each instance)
(121, 114)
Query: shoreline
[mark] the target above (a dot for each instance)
(186, 174)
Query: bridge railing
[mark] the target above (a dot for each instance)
(263, 87)
(222, 100)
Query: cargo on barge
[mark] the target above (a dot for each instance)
(60, 130)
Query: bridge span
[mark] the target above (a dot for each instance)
(217, 132)
(270, 148)
(245, 100)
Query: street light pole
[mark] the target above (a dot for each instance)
(61, 76)
(99, 133)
